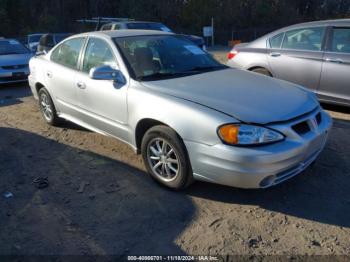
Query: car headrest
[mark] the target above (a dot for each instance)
(143, 54)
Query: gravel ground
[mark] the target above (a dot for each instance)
(100, 201)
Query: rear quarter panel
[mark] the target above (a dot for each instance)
(37, 67)
(249, 58)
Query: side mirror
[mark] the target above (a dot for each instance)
(106, 72)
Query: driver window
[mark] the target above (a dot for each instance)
(341, 40)
(97, 53)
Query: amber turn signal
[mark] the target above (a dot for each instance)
(229, 133)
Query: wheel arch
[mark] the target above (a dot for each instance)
(142, 127)
(260, 67)
(38, 86)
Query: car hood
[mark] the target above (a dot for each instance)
(19, 59)
(196, 39)
(248, 97)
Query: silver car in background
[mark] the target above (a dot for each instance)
(14, 61)
(315, 55)
(190, 117)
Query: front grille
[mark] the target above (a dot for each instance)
(301, 128)
(14, 78)
(14, 67)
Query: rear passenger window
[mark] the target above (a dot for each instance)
(67, 53)
(304, 39)
(276, 41)
(341, 40)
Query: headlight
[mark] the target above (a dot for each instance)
(246, 135)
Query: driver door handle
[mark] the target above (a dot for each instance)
(81, 85)
(334, 60)
(275, 54)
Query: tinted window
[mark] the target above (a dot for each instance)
(97, 53)
(107, 27)
(34, 38)
(67, 53)
(341, 40)
(164, 56)
(276, 41)
(12, 47)
(304, 39)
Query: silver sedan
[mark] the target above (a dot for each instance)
(14, 60)
(315, 55)
(190, 117)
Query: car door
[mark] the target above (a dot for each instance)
(61, 75)
(299, 57)
(335, 77)
(103, 102)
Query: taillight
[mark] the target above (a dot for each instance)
(232, 54)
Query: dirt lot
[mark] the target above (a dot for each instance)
(100, 200)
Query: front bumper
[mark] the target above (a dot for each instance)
(14, 76)
(263, 166)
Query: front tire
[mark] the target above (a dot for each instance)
(165, 158)
(47, 107)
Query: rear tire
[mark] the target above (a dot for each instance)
(262, 71)
(47, 108)
(165, 158)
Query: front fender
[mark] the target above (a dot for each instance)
(193, 122)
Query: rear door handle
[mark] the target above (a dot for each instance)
(81, 85)
(275, 54)
(49, 74)
(334, 60)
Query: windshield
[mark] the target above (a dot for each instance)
(12, 47)
(149, 26)
(156, 57)
(34, 38)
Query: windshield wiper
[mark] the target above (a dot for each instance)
(194, 70)
(159, 75)
(205, 68)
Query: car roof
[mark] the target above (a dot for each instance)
(8, 39)
(326, 22)
(124, 33)
(334, 22)
(59, 33)
(133, 22)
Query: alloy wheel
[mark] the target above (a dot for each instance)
(163, 159)
(46, 107)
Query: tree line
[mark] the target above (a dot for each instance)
(20, 17)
